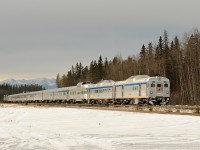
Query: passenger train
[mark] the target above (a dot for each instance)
(139, 89)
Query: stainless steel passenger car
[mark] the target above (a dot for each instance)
(102, 92)
(143, 89)
(138, 89)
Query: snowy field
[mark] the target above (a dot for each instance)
(29, 128)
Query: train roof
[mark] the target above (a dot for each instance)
(159, 78)
(137, 78)
(105, 82)
(141, 79)
(134, 79)
(85, 84)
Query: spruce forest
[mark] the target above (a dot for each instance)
(6, 89)
(178, 60)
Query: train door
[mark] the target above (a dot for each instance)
(143, 90)
(166, 89)
(159, 89)
(139, 89)
(152, 89)
(122, 91)
(113, 92)
(67, 94)
(88, 93)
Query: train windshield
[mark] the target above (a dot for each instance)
(165, 85)
(158, 85)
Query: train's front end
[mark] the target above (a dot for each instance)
(159, 90)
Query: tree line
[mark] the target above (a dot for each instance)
(177, 60)
(6, 89)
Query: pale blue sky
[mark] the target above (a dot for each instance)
(40, 38)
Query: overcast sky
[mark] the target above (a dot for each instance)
(40, 38)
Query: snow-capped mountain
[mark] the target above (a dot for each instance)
(47, 83)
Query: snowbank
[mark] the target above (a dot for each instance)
(29, 128)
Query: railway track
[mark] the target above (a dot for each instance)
(169, 109)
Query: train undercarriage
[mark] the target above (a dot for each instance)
(136, 101)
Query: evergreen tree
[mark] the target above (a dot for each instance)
(6, 89)
(142, 60)
(106, 65)
(58, 81)
(150, 60)
(100, 69)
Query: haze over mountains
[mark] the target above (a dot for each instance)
(45, 82)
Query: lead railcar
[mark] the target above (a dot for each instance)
(143, 89)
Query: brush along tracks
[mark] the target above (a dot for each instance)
(169, 109)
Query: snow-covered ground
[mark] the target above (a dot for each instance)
(29, 128)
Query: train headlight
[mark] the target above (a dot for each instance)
(167, 92)
(151, 92)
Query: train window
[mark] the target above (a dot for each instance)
(165, 85)
(158, 85)
(152, 85)
(135, 88)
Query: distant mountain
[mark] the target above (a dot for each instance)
(47, 83)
